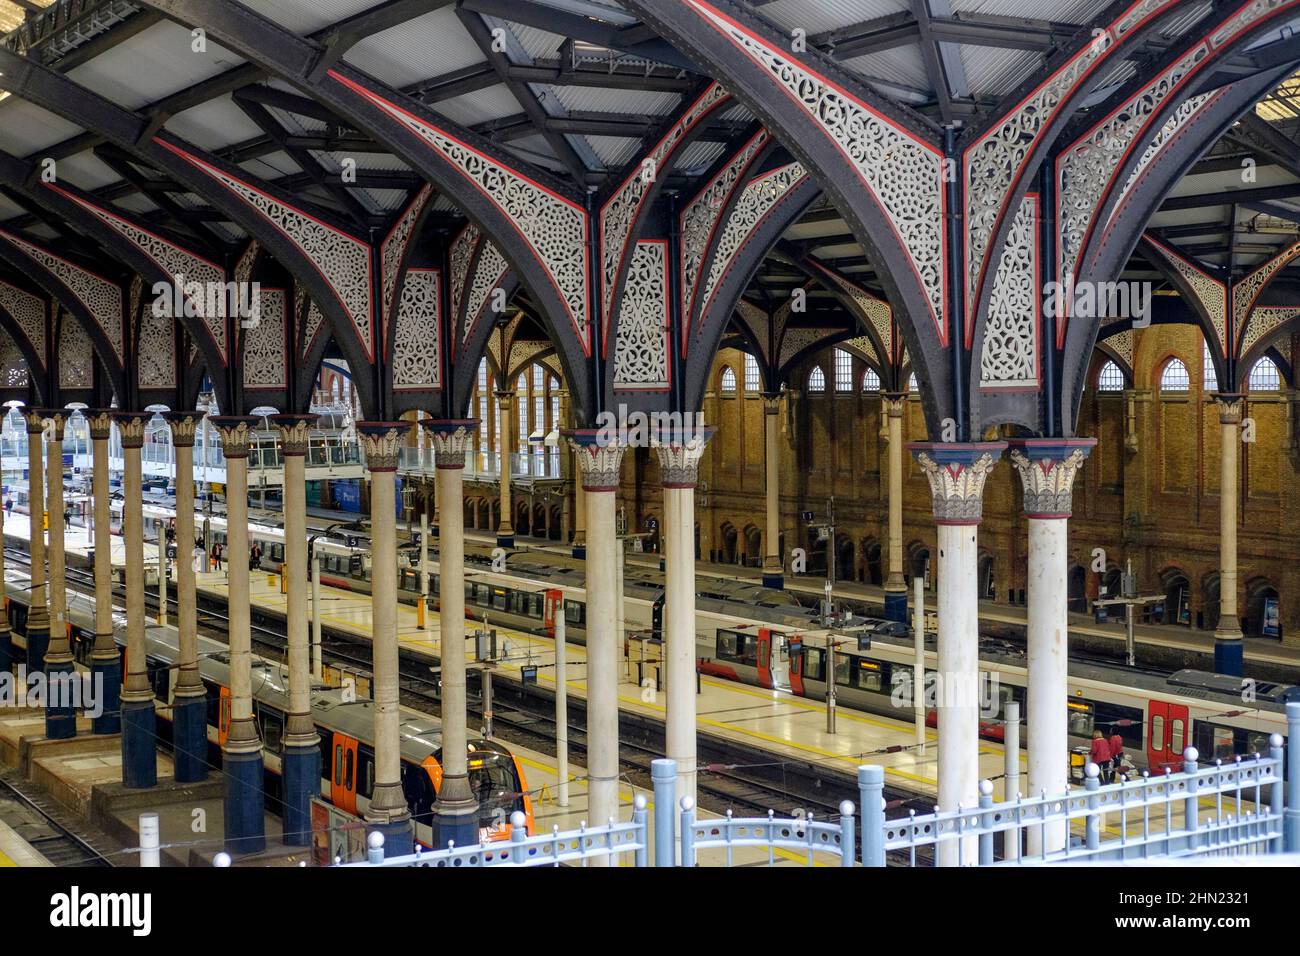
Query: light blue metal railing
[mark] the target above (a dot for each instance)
(1242, 807)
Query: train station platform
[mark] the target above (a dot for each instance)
(787, 727)
(1173, 638)
(15, 851)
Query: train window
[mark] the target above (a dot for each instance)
(1079, 718)
(842, 669)
(349, 768)
(1256, 742)
(272, 730)
(1158, 732)
(338, 765)
(159, 677)
(214, 703)
(574, 613)
(814, 663)
(1222, 743)
(500, 599)
(365, 772)
(1177, 728)
(418, 790)
(869, 675)
(1116, 718)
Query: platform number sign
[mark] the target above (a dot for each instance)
(528, 674)
(807, 517)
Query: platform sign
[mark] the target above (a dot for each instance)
(528, 674)
(1272, 624)
(336, 835)
(807, 516)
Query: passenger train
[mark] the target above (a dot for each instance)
(345, 728)
(784, 646)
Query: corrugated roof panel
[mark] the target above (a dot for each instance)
(215, 124)
(153, 64)
(42, 231)
(699, 156)
(626, 102)
(26, 128)
(994, 72)
(136, 202)
(615, 151)
(816, 16)
(272, 166)
(900, 65)
(9, 209)
(87, 171)
(389, 200)
(1061, 11)
(427, 46)
(308, 16)
(480, 106)
(296, 123)
(539, 44)
(368, 162)
(535, 149)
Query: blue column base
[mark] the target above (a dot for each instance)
(774, 581)
(139, 745)
(505, 541)
(245, 802)
(60, 715)
(38, 643)
(459, 827)
(106, 678)
(1229, 657)
(896, 606)
(579, 551)
(300, 772)
(190, 739)
(399, 838)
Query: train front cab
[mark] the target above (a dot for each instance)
(495, 775)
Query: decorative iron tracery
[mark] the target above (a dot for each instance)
(1009, 354)
(993, 164)
(488, 273)
(1209, 291)
(13, 364)
(755, 202)
(395, 244)
(699, 219)
(193, 273)
(554, 228)
(641, 353)
(343, 261)
(416, 359)
(1246, 290)
(29, 312)
(1264, 320)
(618, 215)
(75, 355)
(100, 298)
(903, 174)
(265, 360)
(461, 256)
(156, 355)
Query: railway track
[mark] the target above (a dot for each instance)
(732, 776)
(49, 828)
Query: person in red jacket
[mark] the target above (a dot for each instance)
(1116, 752)
(1100, 754)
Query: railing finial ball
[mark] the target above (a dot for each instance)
(847, 808)
(1091, 770)
(687, 803)
(986, 787)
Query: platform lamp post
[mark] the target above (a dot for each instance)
(1130, 599)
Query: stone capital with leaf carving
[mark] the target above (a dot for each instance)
(184, 426)
(679, 461)
(452, 439)
(1230, 408)
(131, 426)
(52, 419)
(100, 422)
(295, 432)
(1047, 469)
(601, 461)
(234, 432)
(957, 473)
(382, 443)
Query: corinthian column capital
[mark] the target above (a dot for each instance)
(452, 438)
(1230, 407)
(679, 461)
(382, 443)
(957, 473)
(100, 421)
(295, 432)
(234, 432)
(599, 459)
(1047, 468)
(184, 426)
